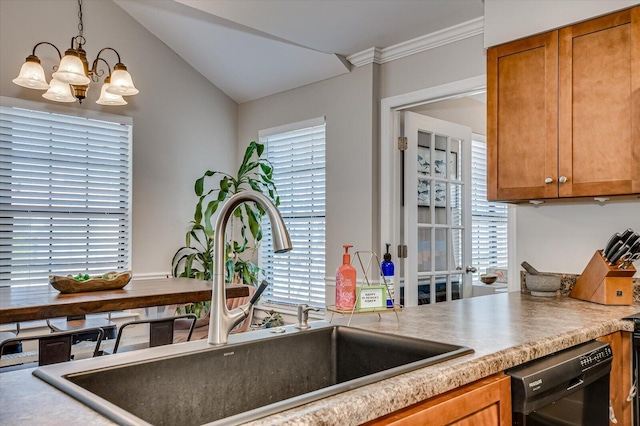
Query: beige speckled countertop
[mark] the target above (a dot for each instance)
(504, 330)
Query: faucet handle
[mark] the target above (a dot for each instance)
(263, 286)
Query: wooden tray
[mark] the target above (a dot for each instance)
(69, 285)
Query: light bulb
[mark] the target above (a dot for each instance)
(121, 82)
(107, 98)
(59, 92)
(71, 70)
(31, 75)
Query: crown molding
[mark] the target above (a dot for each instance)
(420, 44)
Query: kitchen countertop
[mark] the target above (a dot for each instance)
(504, 330)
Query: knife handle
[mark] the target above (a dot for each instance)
(632, 239)
(617, 255)
(612, 240)
(613, 250)
(626, 234)
(635, 248)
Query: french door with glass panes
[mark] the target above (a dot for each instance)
(436, 210)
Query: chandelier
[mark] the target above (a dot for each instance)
(71, 78)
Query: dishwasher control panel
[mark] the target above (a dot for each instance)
(595, 357)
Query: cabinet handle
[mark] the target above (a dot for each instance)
(563, 179)
(548, 180)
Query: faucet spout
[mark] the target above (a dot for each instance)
(222, 319)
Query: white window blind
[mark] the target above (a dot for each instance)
(489, 234)
(297, 153)
(64, 195)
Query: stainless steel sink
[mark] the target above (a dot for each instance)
(255, 375)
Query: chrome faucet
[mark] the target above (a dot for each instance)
(222, 319)
(303, 316)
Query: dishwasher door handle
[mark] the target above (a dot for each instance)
(578, 381)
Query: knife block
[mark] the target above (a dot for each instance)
(604, 284)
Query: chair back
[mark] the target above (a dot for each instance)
(160, 330)
(56, 347)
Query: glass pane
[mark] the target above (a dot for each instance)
(424, 249)
(455, 200)
(456, 287)
(455, 160)
(440, 254)
(424, 192)
(424, 153)
(424, 215)
(424, 290)
(441, 288)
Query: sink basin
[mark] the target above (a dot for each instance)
(256, 374)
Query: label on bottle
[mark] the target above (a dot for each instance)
(345, 292)
(390, 289)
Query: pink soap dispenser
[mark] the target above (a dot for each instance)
(346, 282)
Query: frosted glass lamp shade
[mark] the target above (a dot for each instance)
(107, 98)
(59, 92)
(71, 71)
(121, 82)
(31, 76)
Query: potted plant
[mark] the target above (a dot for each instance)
(195, 258)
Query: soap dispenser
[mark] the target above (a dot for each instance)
(388, 270)
(346, 282)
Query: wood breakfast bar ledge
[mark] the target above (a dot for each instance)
(41, 302)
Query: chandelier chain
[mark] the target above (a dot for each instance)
(80, 39)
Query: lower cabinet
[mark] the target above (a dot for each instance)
(484, 402)
(621, 366)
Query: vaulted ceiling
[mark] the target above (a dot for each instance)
(254, 48)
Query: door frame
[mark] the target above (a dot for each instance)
(390, 163)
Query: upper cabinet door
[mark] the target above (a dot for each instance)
(599, 113)
(522, 119)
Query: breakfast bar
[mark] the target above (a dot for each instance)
(41, 302)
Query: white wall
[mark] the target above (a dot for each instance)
(466, 111)
(183, 125)
(347, 103)
(562, 237)
(506, 20)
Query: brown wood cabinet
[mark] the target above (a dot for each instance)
(563, 112)
(484, 402)
(620, 375)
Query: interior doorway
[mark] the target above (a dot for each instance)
(461, 102)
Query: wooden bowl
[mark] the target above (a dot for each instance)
(488, 278)
(66, 284)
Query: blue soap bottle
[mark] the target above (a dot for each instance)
(388, 271)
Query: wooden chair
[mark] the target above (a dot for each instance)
(160, 331)
(56, 347)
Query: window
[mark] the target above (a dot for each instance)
(297, 153)
(489, 234)
(66, 192)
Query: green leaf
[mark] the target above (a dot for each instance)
(248, 153)
(254, 185)
(254, 221)
(266, 169)
(259, 148)
(211, 209)
(224, 184)
(197, 216)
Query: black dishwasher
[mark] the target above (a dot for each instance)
(570, 387)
